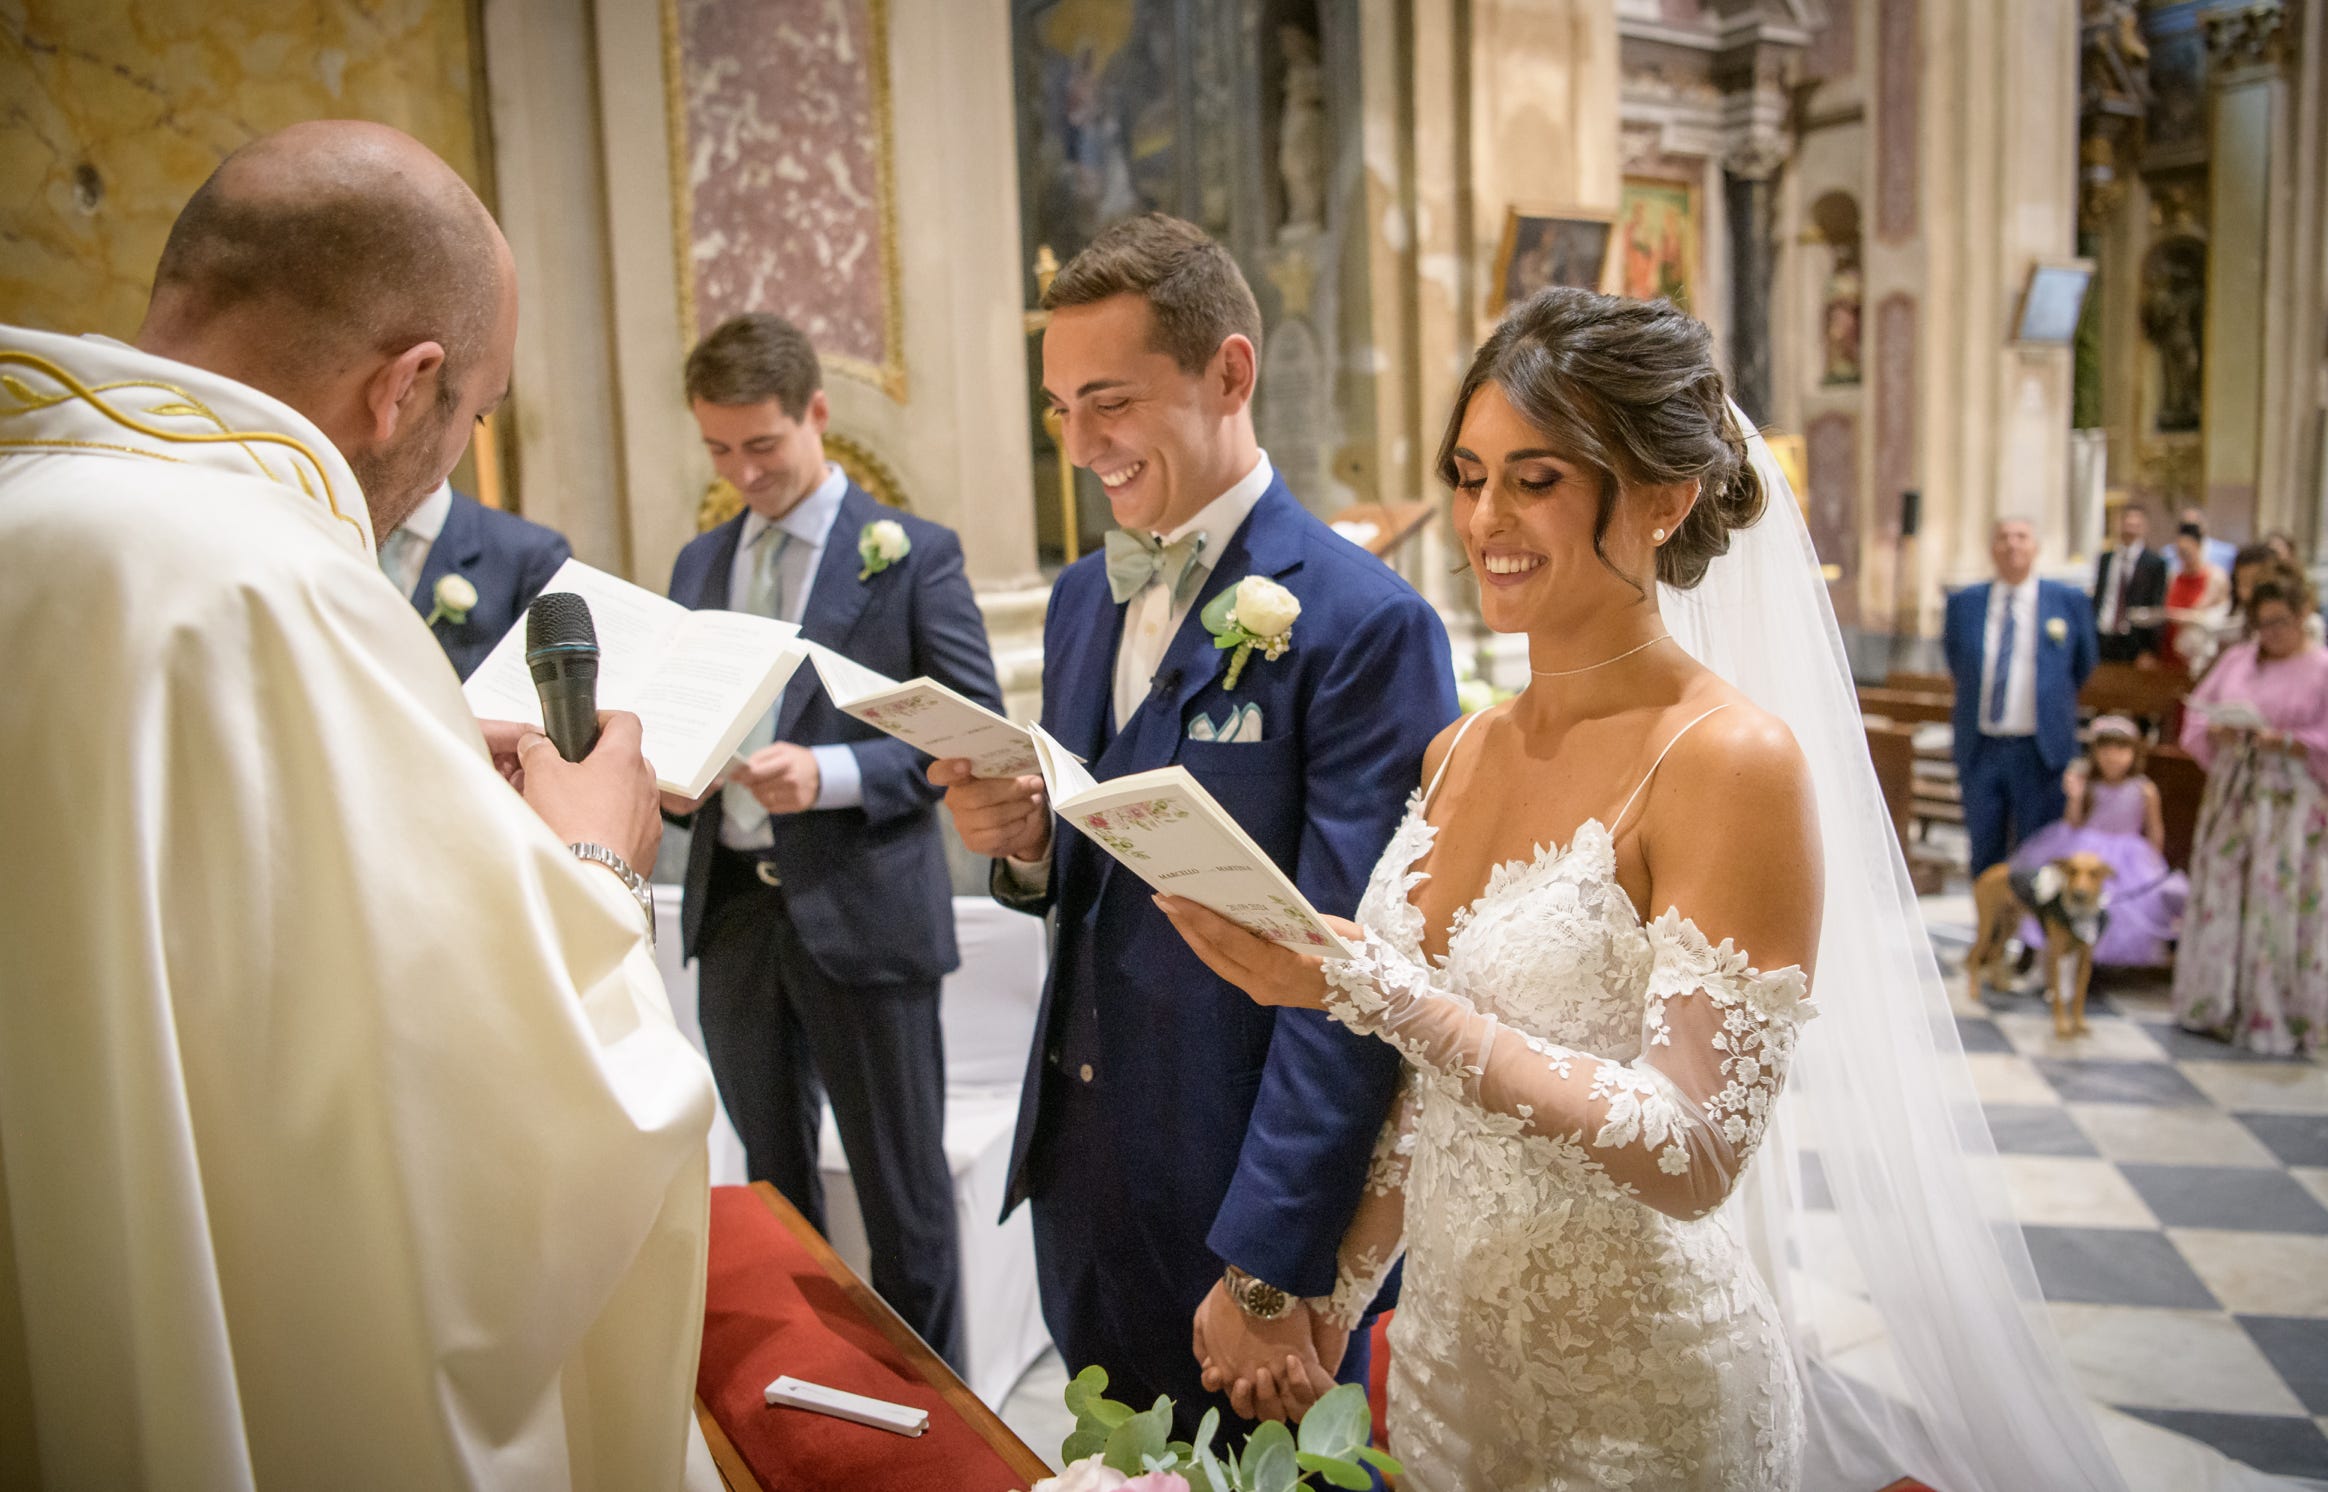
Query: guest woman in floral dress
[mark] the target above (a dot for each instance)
(2253, 965)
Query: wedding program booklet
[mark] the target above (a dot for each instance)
(925, 714)
(2234, 714)
(1168, 831)
(697, 680)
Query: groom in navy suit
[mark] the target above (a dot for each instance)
(1194, 1158)
(818, 906)
(2019, 649)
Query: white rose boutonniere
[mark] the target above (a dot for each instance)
(1253, 613)
(455, 599)
(2057, 629)
(881, 545)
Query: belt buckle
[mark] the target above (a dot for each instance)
(766, 871)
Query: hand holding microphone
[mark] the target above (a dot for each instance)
(583, 773)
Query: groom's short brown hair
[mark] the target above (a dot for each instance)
(1194, 289)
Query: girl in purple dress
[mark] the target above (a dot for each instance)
(2114, 813)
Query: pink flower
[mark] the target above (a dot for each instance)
(1157, 1481)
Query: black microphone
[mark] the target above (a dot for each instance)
(561, 651)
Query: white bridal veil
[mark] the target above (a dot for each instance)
(1912, 1304)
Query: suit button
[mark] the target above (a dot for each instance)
(1084, 1072)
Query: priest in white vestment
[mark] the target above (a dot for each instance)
(346, 1140)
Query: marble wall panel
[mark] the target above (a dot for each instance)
(1833, 460)
(1895, 407)
(1834, 51)
(1898, 74)
(782, 134)
(116, 110)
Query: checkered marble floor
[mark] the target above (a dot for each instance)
(2174, 1193)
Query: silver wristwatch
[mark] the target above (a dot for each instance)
(598, 854)
(1256, 1297)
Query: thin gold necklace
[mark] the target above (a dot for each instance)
(1564, 673)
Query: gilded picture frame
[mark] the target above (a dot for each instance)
(1544, 246)
(1659, 233)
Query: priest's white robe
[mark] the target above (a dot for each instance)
(345, 1137)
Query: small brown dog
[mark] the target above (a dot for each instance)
(2066, 898)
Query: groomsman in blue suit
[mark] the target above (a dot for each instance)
(818, 906)
(470, 570)
(2019, 649)
(1194, 1158)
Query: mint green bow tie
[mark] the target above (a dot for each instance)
(1133, 560)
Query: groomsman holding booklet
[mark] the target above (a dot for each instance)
(1194, 1158)
(818, 906)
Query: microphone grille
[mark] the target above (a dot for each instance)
(559, 619)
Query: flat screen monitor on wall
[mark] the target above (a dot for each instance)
(2052, 302)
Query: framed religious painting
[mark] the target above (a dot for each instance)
(1542, 247)
(2052, 302)
(1658, 230)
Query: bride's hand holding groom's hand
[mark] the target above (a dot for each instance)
(1270, 973)
(1269, 1369)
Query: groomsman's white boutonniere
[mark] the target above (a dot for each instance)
(1253, 613)
(881, 545)
(2056, 629)
(455, 599)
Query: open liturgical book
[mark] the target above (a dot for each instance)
(697, 680)
(1167, 830)
(924, 714)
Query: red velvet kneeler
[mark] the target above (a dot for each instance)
(772, 1307)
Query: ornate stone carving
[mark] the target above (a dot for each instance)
(2114, 98)
(1301, 130)
(2255, 35)
(2174, 318)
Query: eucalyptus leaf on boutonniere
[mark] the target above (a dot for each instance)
(1254, 613)
(882, 544)
(455, 599)
(2056, 629)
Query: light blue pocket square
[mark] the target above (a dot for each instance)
(1243, 726)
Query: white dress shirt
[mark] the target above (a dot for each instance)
(2020, 712)
(405, 554)
(809, 525)
(1154, 617)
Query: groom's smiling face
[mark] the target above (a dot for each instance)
(1162, 440)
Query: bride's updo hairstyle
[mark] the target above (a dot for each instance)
(1628, 390)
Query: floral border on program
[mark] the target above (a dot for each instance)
(1115, 827)
(898, 712)
(1008, 761)
(1293, 926)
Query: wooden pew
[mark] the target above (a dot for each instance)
(1893, 750)
(1905, 706)
(2153, 694)
(2182, 784)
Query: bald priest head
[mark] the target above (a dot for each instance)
(341, 267)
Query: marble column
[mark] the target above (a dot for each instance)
(2246, 253)
(1750, 188)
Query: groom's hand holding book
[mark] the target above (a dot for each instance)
(1003, 818)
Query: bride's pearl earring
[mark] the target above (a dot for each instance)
(1657, 536)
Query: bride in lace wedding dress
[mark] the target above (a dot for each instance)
(1597, 937)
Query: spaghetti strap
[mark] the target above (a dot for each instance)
(1437, 777)
(1653, 766)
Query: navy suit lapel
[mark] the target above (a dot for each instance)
(835, 599)
(1086, 659)
(458, 550)
(720, 564)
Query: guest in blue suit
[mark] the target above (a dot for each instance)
(817, 905)
(452, 538)
(2019, 649)
(1192, 1157)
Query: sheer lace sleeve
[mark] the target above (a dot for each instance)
(1377, 1233)
(1673, 1127)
